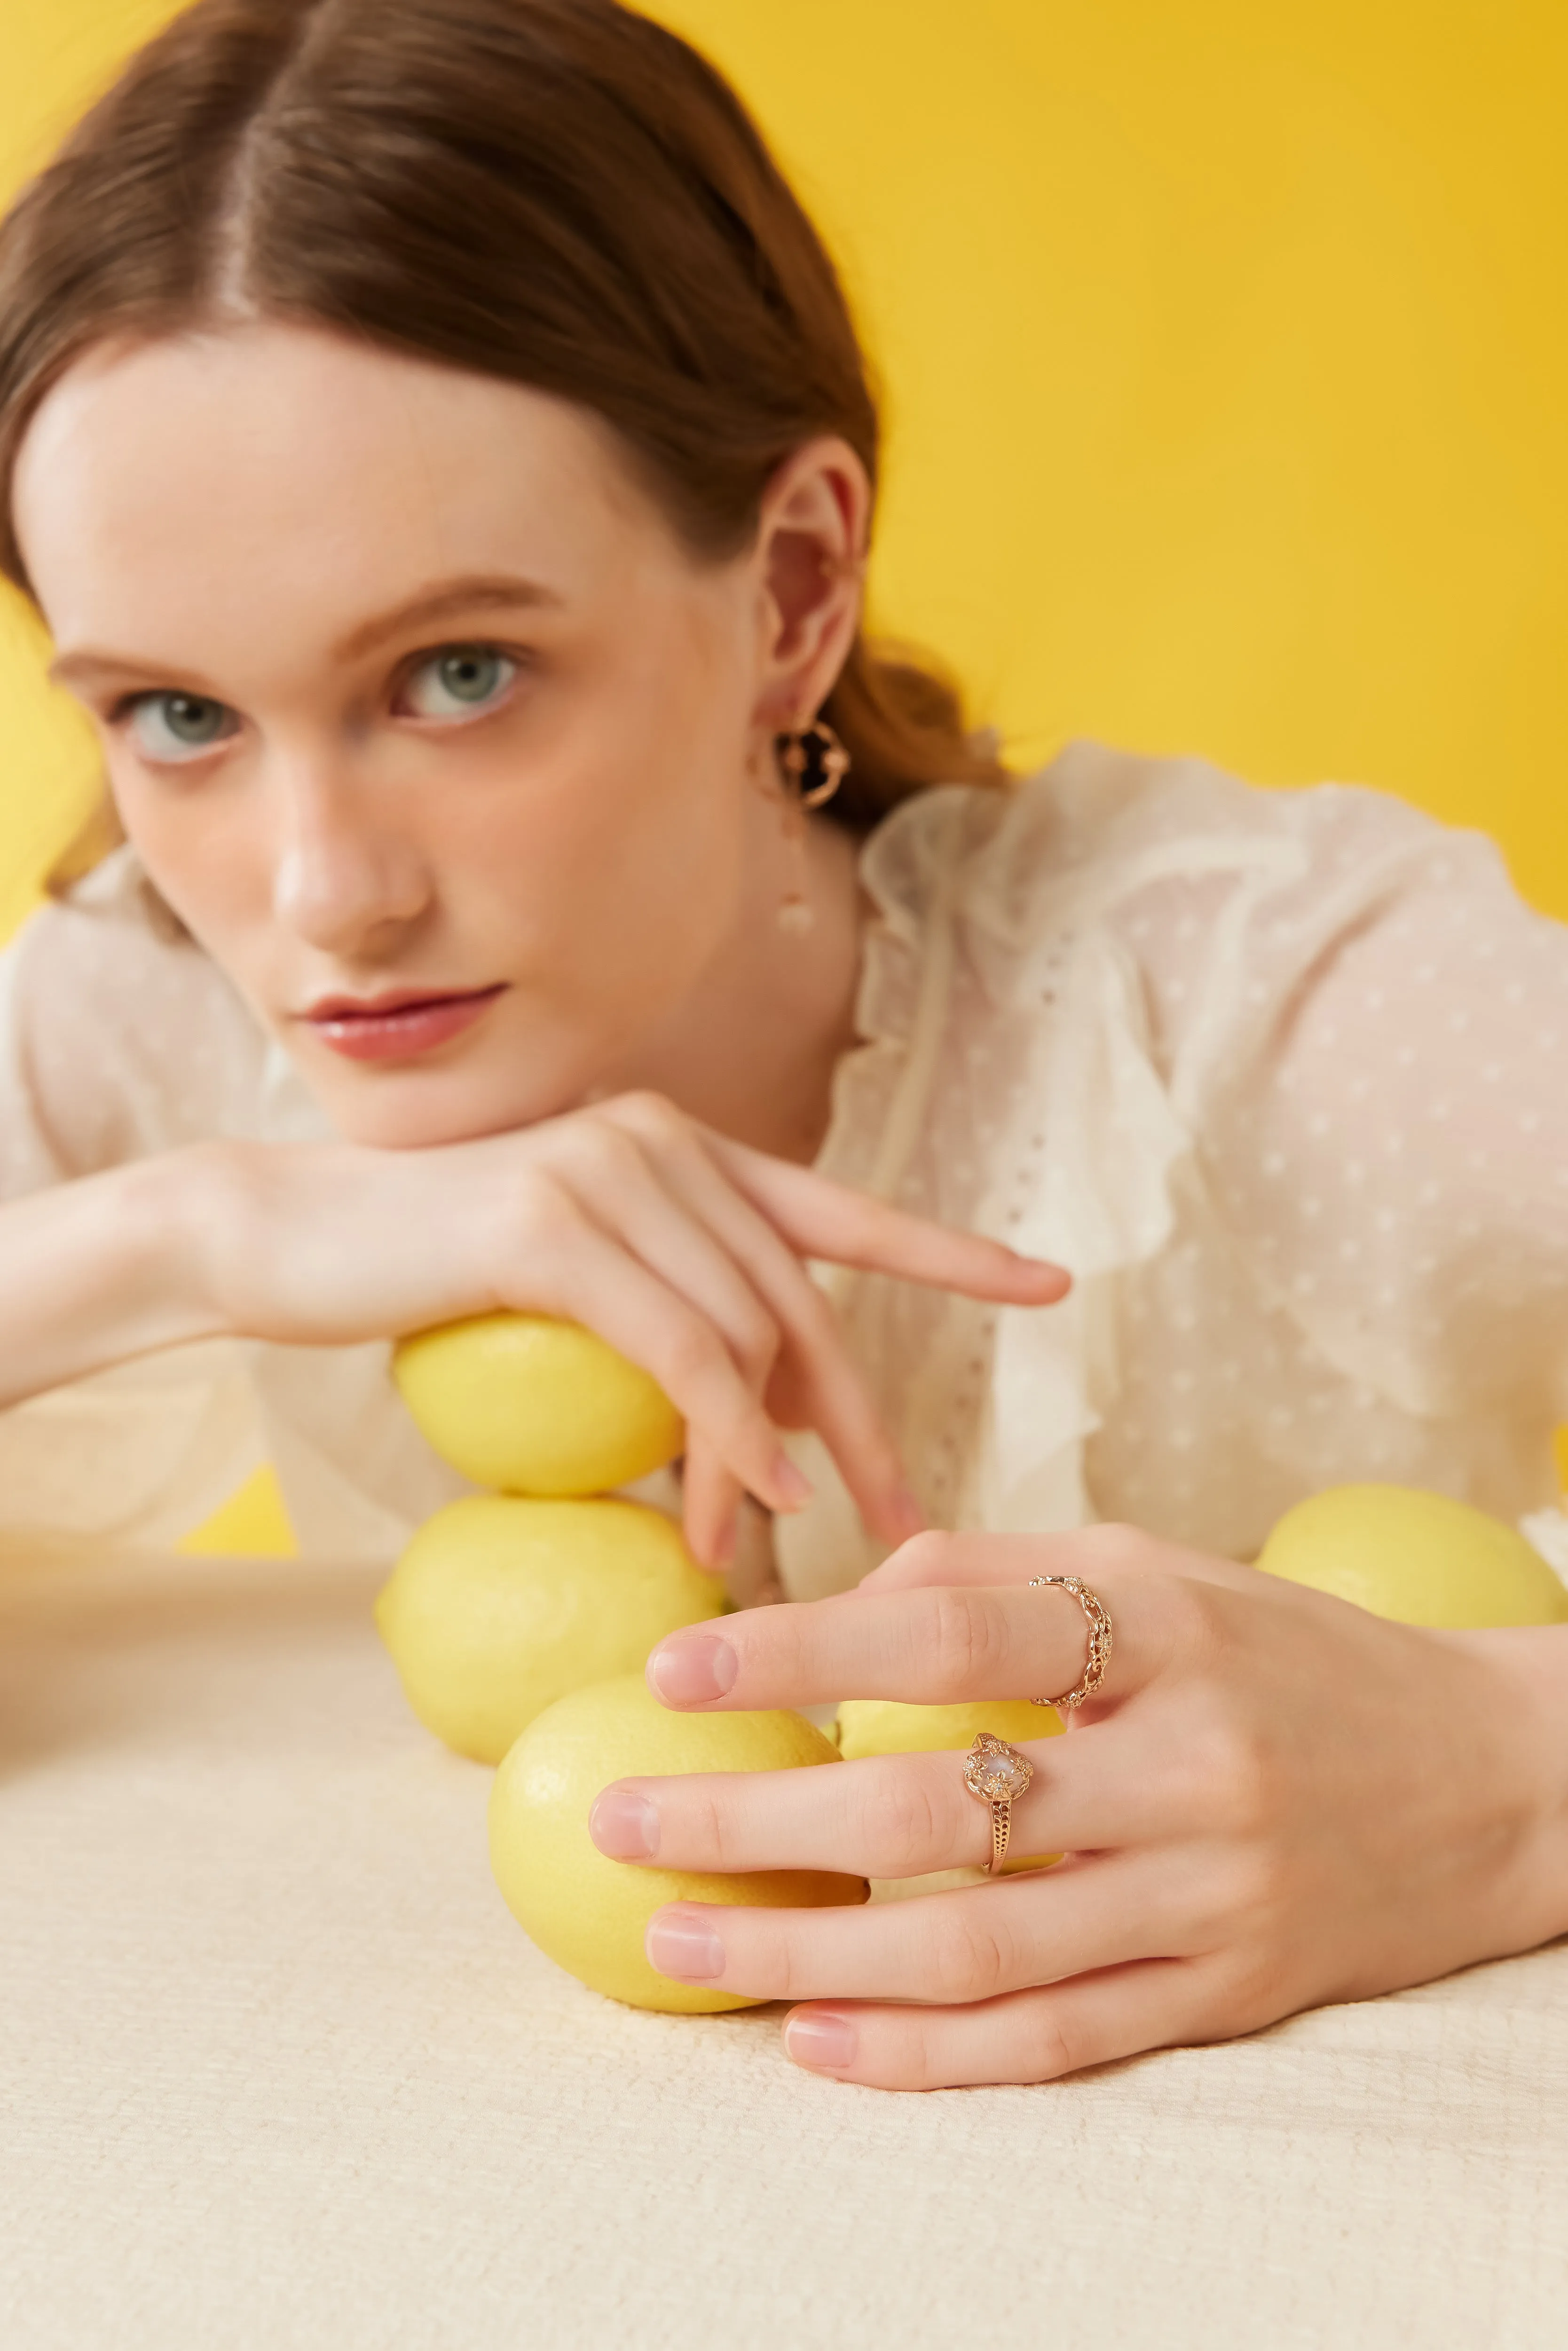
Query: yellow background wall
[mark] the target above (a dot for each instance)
(1226, 364)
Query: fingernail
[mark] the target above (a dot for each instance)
(820, 2038)
(790, 1485)
(624, 1826)
(684, 1947)
(692, 1667)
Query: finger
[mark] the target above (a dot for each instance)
(710, 1504)
(835, 1399)
(635, 1210)
(941, 1947)
(587, 1275)
(1024, 2036)
(1087, 1553)
(936, 1645)
(899, 1815)
(627, 1195)
(832, 1397)
(820, 1218)
(614, 1183)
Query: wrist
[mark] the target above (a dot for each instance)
(177, 1215)
(1529, 1668)
(184, 1221)
(104, 1268)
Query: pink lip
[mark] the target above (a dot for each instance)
(395, 1027)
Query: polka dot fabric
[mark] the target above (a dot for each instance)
(1279, 1075)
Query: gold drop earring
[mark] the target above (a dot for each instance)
(812, 763)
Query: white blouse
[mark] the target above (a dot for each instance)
(1279, 1075)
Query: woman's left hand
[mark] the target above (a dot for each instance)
(1275, 1801)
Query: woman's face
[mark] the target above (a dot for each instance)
(408, 692)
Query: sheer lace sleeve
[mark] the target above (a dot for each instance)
(116, 1043)
(1372, 1056)
(115, 1040)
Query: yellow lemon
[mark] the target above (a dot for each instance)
(885, 1726)
(1421, 1559)
(589, 1914)
(501, 1605)
(535, 1405)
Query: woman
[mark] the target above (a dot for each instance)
(437, 443)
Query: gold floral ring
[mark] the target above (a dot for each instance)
(1098, 1617)
(997, 1774)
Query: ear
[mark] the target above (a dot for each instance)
(811, 560)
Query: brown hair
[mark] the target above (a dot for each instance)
(558, 193)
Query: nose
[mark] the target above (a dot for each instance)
(347, 877)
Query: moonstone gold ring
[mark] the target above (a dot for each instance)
(997, 1774)
(1098, 1617)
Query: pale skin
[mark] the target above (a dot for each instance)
(404, 682)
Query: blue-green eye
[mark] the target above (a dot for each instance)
(460, 683)
(169, 727)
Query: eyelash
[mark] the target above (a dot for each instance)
(519, 661)
(120, 712)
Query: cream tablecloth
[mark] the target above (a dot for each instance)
(280, 2071)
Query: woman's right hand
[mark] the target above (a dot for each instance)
(682, 1249)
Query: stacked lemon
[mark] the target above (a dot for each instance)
(507, 1601)
(520, 1620)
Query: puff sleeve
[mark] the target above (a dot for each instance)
(116, 1043)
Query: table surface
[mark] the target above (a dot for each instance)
(280, 2071)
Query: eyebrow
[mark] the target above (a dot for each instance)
(482, 592)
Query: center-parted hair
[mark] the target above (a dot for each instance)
(559, 194)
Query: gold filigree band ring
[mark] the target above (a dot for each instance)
(997, 1774)
(1098, 1618)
